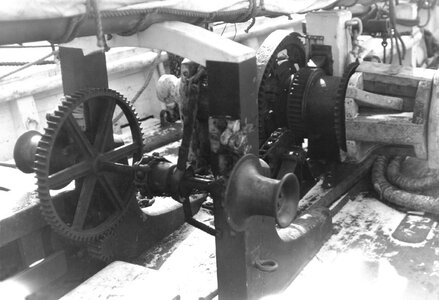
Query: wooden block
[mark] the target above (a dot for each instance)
(394, 74)
(364, 98)
(392, 89)
(351, 108)
(433, 126)
(388, 129)
(31, 247)
(356, 81)
(32, 279)
(21, 223)
(422, 100)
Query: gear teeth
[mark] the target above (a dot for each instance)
(295, 103)
(53, 118)
(59, 114)
(40, 156)
(49, 130)
(67, 103)
(52, 123)
(64, 109)
(40, 164)
(101, 248)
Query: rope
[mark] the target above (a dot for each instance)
(392, 194)
(152, 67)
(251, 14)
(30, 64)
(71, 30)
(22, 63)
(24, 46)
(237, 16)
(96, 14)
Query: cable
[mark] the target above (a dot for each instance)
(395, 33)
(30, 64)
(152, 67)
(22, 63)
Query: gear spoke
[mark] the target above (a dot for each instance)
(123, 151)
(111, 192)
(76, 133)
(66, 175)
(105, 128)
(84, 201)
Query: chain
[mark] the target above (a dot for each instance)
(384, 44)
(272, 142)
(355, 29)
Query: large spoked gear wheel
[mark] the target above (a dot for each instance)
(339, 111)
(280, 56)
(78, 153)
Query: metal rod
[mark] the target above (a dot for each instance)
(116, 167)
(198, 183)
(190, 220)
(211, 295)
(202, 226)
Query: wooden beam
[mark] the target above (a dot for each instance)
(393, 74)
(433, 126)
(32, 279)
(364, 98)
(387, 129)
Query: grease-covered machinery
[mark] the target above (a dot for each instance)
(258, 129)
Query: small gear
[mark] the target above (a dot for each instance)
(339, 112)
(83, 154)
(297, 97)
(280, 56)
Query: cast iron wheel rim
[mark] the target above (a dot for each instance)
(339, 111)
(267, 62)
(89, 170)
(297, 100)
